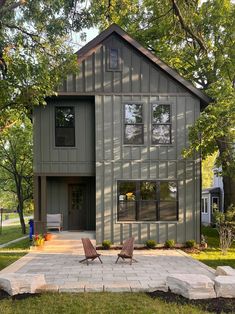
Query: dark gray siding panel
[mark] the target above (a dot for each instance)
(76, 160)
(115, 161)
(137, 74)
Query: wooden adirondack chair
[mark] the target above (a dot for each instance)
(127, 250)
(89, 250)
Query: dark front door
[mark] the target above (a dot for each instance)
(77, 206)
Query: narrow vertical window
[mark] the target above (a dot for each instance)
(133, 124)
(113, 59)
(64, 127)
(161, 124)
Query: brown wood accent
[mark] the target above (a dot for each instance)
(43, 201)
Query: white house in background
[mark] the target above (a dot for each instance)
(212, 198)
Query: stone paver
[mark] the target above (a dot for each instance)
(63, 272)
(225, 271)
(225, 286)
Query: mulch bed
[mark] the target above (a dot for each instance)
(5, 295)
(216, 305)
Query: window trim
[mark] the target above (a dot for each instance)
(124, 122)
(203, 205)
(108, 68)
(157, 221)
(159, 103)
(55, 127)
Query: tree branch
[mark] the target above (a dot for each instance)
(11, 7)
(187, 29)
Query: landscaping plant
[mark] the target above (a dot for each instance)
(190, 244)
(169, 244)
(106, 244)
(225, 225)
(150, 244)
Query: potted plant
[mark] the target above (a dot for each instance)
(47, 236)
(38, 240)
(203, 242)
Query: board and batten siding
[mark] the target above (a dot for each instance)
(139, 80)
(115, 161)
(137, 74)
(52, 160)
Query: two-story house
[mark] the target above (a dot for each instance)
(107, 150)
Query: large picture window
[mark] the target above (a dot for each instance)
(147, 201)
(64, 127)
(161, 124)
(133, 124)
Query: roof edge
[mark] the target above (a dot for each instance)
(85, 51)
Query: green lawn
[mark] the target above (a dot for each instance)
(94, 303)
(212, 256)
(13, 252)
(10, 233)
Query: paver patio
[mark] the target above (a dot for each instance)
(63, 272)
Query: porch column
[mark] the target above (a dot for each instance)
(37, 204)
(43, 202)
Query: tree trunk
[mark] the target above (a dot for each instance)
(229, 191)
(21, 215)
(226, 159)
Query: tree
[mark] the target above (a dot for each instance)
(198, 40)
(35, 53)
(16, 163)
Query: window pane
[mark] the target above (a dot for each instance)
(161, 113)
(126, 210)
(127, 191)
(133, 113)
(168, 211)
(205, 205)
(64, 137)
(113, 58)
(148, 210)
(133, 134)
(161, 134)
(64, 117)
(148, 190)
(168, 191)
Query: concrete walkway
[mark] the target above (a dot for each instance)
(63, 272)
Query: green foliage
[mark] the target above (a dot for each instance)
(208, 164)
(34, 47)
(225, 222)
(106, 244)
(169, 244)
(16, 170)
(150, 244)
(190, 244)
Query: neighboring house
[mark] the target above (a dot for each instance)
(107, 150)
(212, 198)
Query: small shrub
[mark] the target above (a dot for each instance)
(190, 244)
(169, 244)
(150, 244)
(106, 244)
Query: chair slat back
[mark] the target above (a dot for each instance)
(128, 247)
(89, 249)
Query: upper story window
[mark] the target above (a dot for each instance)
(161, 124)
(147, 201)
(133, 124)
(64, 127)
(113, 59)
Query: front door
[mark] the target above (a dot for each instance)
(77, 206)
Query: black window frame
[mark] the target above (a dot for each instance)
(125, 124)
(155, 124)
(138, 201)
(108, 59)
(65, 127)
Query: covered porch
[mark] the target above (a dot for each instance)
(71, 196)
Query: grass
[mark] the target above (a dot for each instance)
(212, 256)
(13, 252)
(94, 303)
(10, 233)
